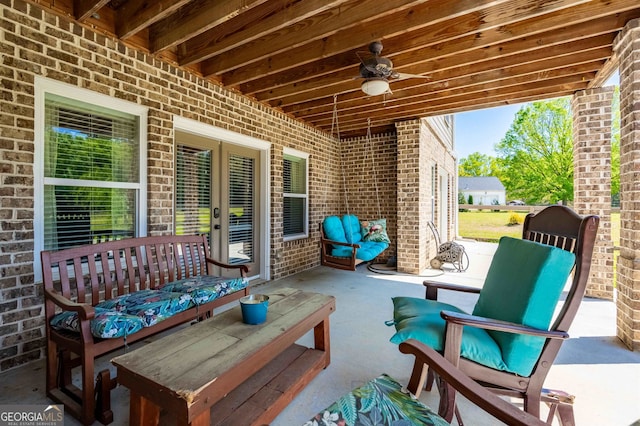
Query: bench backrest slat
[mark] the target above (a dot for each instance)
(104, 270)
(93, 277)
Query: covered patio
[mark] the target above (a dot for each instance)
(287, 80)
(593, 364)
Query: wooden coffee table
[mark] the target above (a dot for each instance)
(243, 374)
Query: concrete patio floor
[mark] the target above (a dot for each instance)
(593, 364)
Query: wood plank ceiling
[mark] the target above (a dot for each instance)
(303, 56)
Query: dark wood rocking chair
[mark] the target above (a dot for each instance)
(556, 226)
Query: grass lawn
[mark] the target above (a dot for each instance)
(483, 225)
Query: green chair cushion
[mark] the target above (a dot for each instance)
(523, 286)
(420, 319)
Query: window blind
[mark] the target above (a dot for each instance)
(193, 191)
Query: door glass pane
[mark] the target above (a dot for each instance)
(241, 209)
(193, 191)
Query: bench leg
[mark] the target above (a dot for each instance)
(322, 339)
(104, 384)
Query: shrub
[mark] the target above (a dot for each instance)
(470, 199)
(515, 219)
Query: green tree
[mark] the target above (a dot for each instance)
(477, 164)
(615, 146)
(537, 153)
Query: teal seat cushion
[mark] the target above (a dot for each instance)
(368, 250)
(351, 226)
(152, 306)
(106, 324)
(333, 229)
(205, 288)
(420, 319)
(523, 286)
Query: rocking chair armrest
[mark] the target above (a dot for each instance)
(432, 288)
(85, 310)
(493, 324)
(243, 268)
(480, 396)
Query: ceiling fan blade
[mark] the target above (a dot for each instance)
(402, 76)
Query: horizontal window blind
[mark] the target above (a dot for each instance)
(295, 196)
(241, 209)
(193, 191)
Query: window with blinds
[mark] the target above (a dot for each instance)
(91, 173)
(295, 188)
(193, 191)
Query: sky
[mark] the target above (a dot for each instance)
(479, 131)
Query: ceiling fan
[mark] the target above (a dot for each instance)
(378, 70)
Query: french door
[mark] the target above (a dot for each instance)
(217, 194)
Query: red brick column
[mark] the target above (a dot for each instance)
(627, 47)
(592, 178)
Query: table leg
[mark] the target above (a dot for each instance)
(203, 419)
(142, 412)
(322, 340)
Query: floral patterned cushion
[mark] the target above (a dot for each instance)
(106, 323)
(381, 401)
(374, 230)
(205, 288)
(152, 306)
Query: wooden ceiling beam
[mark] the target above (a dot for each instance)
(205, 46)
(193, 19)
(136, 15)
(428, 19)
(351, 90)
(321, 25)
(471, 86)
(452, 48)
(84, 9)
(542, 68)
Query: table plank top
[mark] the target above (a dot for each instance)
(185, 362)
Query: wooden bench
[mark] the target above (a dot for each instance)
(77, 279)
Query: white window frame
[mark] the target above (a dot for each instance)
(45, 86)
(303, 155)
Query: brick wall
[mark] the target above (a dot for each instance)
(34, 43)
(592, 179)
(420, 147)
(627, 47)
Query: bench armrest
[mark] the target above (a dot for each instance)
(480, 396)
(243, 268)
(432, 288)
(85, 310)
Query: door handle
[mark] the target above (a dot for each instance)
(216, 226)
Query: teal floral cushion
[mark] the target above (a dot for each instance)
(152, 306)
(375, 230)
(106, 323)
(381, 401)
(205, 288)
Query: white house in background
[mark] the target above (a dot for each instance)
(485, 190)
